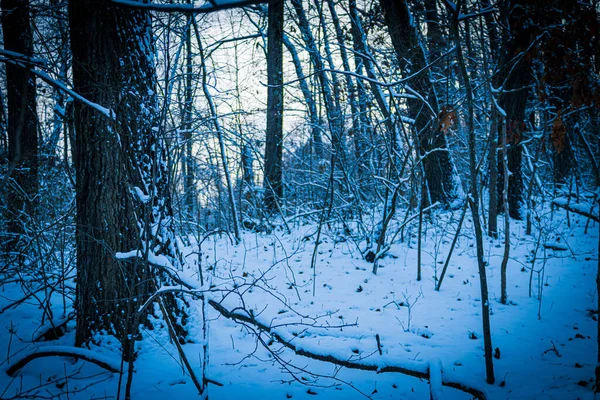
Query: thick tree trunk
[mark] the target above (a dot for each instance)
(437, 162)
(274, 136)
(22, 123)
(597, 369)
(123, 203)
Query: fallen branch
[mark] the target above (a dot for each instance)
(182, 355)
(423, 374)
(64, 351)
(52, 329)
(576, 208)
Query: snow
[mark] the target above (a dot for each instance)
(585, 209)
(57, 84)
(112, 362)
(547, 349)
(207, 6)
(435, 378)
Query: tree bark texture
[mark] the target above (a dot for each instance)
(123, 203)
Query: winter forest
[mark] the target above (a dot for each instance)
(299, 199)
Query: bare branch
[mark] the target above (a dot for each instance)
(207, 7)
(63, 351)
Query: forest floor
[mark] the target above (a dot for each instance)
(546, 341)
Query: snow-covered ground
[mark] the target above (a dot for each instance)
(546, 342)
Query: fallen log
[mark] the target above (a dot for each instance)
(577, 208)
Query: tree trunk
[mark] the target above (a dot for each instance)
(22, 123)
(333, 112)
(435, 45)
(187, 159)
(514, 78)
(491, 30)
(358, 128)
(493, 175)
(123, 203)
(474, 202)
(274, 136)
(308, 98)
(437, 162)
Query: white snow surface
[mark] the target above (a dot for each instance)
(552, 356)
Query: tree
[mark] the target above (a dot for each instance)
(332, 108)
(474, 199)
(440, 173)
(274, 136)
(123, 204)
(22, 122)
(187, 160)
(513, 79)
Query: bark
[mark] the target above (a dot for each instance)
(274, 135)
(437, 162)
(563, 156)
(597, 370)
(504, 264)
(567, 55)
(22, 123)
(123, 203)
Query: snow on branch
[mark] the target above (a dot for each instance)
(417, 370)
(100, 360)
(587, 210)
(23, 58)
(432, 372)
(388, 84)
(207, 7)
(23, 61)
